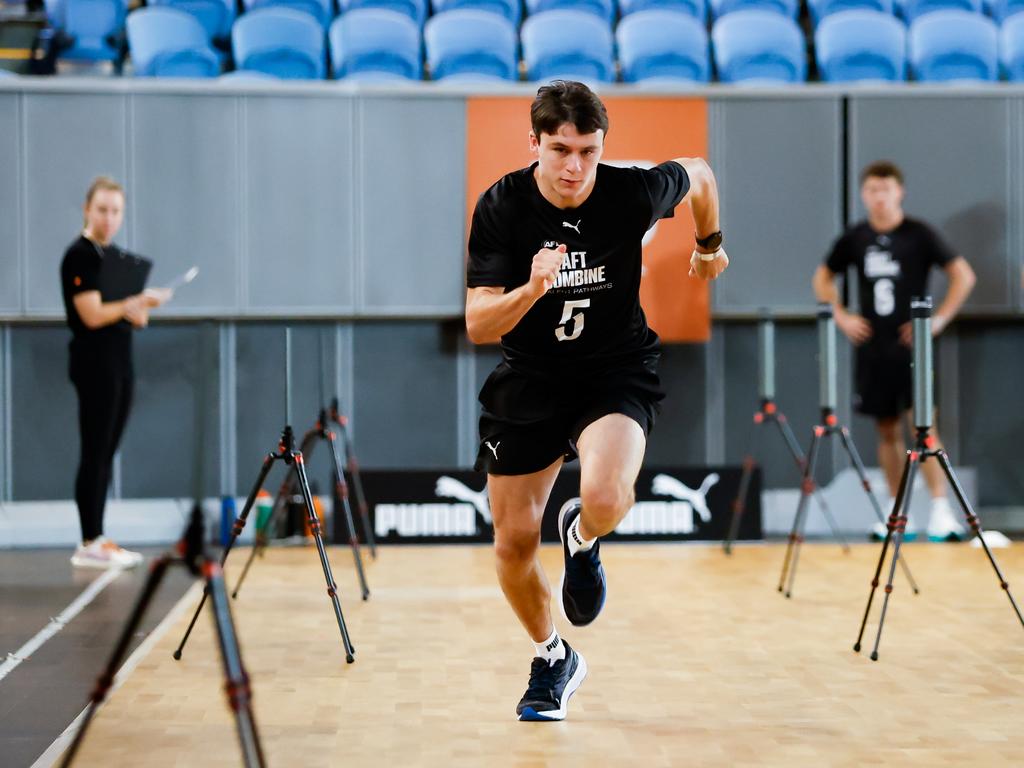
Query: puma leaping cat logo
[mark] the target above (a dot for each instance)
(665, 485)
(494, 448)
(452, 488)
(575, 226)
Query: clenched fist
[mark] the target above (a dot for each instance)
(544, 271)
(708, 269)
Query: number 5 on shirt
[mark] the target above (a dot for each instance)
(567, 316)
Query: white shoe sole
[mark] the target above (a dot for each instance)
(88, 562)
(570, 688)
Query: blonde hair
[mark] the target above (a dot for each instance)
(106, 183)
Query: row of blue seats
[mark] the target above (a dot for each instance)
(756, 45)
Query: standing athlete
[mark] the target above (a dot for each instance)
(554, 274)
(893, 254)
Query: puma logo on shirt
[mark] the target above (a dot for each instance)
(575, 226)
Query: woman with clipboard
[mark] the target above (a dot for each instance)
(104, 300)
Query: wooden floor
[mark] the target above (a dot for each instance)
(696, 661)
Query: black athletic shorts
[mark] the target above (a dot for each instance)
(529, 420)
(884, 379)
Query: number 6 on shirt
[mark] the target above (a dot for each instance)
(576, 319)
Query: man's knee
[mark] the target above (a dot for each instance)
(606, 500)
(514, 545)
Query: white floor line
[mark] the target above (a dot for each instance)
(61, 743)
(58, 622)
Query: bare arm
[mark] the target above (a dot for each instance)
(491, 312)
(96, 313)
(703, 199)
(855, 327)
(961, 283)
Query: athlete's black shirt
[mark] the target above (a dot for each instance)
(892, 268)
(108, 348)
(592, 316)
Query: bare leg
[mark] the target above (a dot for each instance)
(892, 451)
(517, 507)
(611, 451)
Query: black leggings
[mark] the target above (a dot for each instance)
(103, 404)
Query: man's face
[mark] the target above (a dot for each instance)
(104, 214)
(882, 196)
(567, 160)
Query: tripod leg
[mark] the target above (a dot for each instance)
(740, 502)
(314, 524)
(913, 457)
(262, 538)
(342, 491)
(106, 678)
(808, 488)
(236, 531)
(806, 485)
(798, 457)
(858, 465)
(890, 526)
(975, 523)
(237, 680)
(357, 487)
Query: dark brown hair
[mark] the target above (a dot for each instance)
(566, 101)
(882, 169)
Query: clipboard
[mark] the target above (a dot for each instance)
(123, 275)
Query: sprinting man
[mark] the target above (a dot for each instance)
(554, 274)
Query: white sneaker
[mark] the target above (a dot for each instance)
(103, 553)
(942, 524)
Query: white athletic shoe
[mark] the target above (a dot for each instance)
(103, 553)
(942, 524)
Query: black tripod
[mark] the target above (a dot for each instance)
(920, 312)
(189, 553)
(287, 490)
(829, 426)
(285, 452)
(769, 413)
(335, 415)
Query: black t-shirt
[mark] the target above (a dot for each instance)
(109, 346)
(591, 317)
(892, 268)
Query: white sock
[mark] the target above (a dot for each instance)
(552, 649)
(576, 541)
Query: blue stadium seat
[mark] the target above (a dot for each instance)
(414, 9)
(758, 46)
(90, 30)
(954, 45)
(1011, 47)
(467, 42)
(1004, 9)
(166, 42)
(321, 10)
(7, 73)
(279, 41)
(603, 8)
(550, 53)
(821, 8)
(216, 16)
(788, 8)
(696, 8)
(247, 75)
(510, 9)
(914, 9)
(663, 45)
(376, 44)
(861, 45)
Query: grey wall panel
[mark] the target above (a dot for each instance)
(778, 167)
(680, 433)
(44, 415)
(176, 374)
(992, 421)
(10, 203)
(60, 162)
(299, 205)
(406, 384)
(183, 197)
(968, 201)
(412, 178)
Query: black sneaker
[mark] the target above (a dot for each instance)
(551, 685)
(583, 583)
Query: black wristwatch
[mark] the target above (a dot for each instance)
(712, 242)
